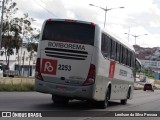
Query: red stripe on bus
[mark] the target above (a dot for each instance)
(112, 69)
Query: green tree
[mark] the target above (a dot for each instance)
(15, 30)
(31, 48)
(8, 29)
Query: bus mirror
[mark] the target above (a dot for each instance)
(138, 66)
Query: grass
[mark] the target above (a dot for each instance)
(157, 82)
(16, 84)
(27, 84)
(30, 77)
(16, 87)
(138, 88)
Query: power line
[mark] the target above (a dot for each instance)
(45, 8)
(42, 1)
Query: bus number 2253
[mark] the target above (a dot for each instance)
(64, 67)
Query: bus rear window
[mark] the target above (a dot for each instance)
(69, 32)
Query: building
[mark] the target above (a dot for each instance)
(149, 57)
(156, 55)
(22, 61)
(12, 59)
(150, 64)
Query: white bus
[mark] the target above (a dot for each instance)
(79, 60)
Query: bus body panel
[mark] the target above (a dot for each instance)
(120, 83)
(72, 92)
(72, 70)
(64, 81)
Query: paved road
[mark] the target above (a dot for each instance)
(33, 101)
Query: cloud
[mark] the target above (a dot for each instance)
(155, 24)
(143, 16)
(151, 41)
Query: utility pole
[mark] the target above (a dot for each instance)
(1, 24)
(135, 36)
(106, 10)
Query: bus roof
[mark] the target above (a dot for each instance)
(71, 20)
(118, 39)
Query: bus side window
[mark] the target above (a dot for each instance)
(120, 57)
(129, 59)
(118, 52)
(124, 56)
(133, 60)
(109, 46)
(104, 45)
(113, 49)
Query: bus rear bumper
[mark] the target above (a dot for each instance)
(72, 92)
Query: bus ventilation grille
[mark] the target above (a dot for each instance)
(66, 54)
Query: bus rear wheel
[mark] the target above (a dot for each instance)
(124, 101)
(104, 104)
(59, 100)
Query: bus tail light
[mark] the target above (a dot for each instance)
(38, 73)
(67, 20)
(91, 76)
(93, 24)
(49, 20)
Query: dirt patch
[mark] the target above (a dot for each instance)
(157, 82)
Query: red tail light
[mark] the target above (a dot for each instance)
(70, 20)
(49, 20)
(38, 73)
(91, 76)
(93, 24)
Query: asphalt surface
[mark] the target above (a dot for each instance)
(34, 101)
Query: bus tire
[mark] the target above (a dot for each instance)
(104, 104)
(129, 93)
(124, 101)
(60, 100)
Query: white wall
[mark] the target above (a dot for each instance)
(14, 58)
(24, 53)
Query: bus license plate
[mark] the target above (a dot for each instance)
(61, 88)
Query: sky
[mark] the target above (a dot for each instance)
(138, 17)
